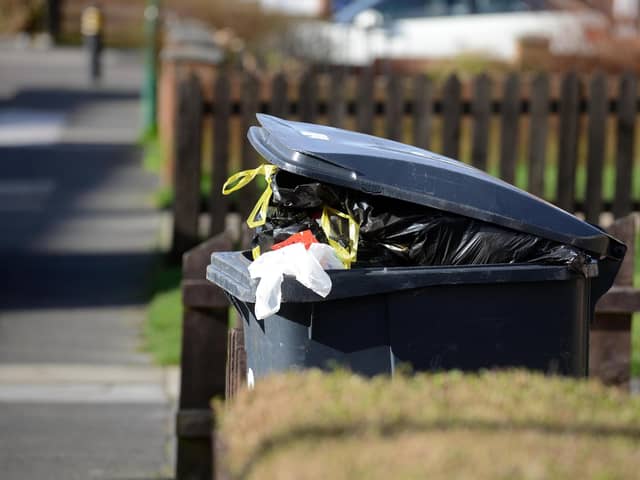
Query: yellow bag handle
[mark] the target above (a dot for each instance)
(258, 215)
(346, 255)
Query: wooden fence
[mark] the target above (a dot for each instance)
(491, 130)
(509, 127)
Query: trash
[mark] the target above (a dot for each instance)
(430, 263)
(396, 233)
(342, 233)
(306, 265)
(305, 237)
(306, 226)
(390, 233)
(238, 180)
(282, 223)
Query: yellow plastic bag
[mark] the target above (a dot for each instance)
(333, 230)
(258, 215)
(347, 254)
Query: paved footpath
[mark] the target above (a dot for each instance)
(78, 232)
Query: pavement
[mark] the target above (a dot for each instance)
(79, 399)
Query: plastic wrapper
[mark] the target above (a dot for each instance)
(306, 265)
(397, 233)
(281, 223)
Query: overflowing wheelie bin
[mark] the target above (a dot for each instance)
(434, 264)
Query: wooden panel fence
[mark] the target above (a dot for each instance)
(570, 139)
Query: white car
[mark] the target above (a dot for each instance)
(445, 28)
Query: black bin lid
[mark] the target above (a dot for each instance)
(392, 169)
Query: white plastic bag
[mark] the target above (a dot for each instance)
(307, 266)
(326, 256)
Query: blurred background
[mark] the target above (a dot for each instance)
(549, 34)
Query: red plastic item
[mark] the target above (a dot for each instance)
(306, 237)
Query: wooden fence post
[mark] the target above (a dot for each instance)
(451, 112)
(538, 127)
(509, 128)
(568, 141)
(610, 339)
(279, 105)
(204, 353)
(364, 114)
(422, 111)
(394, 106)
(308, 94)
(336, 98)
(627, 101)
(596, 144)
(249, 159)
(481, 112)
(188, 153)
(218, 203)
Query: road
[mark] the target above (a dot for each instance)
(78, 236)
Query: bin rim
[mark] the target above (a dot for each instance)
(384, 167)
(230, 271)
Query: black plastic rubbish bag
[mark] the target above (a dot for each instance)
(396, 233)
(281, 223)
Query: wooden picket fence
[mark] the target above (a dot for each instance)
(579, 115)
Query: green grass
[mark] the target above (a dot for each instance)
(513, 424)
(163, 198)
(162, 331)
(635, 324)
(153, 159)
(551, 181)
(163, 327)
(635, 346)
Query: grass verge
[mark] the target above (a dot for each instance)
(154, 161)
(163, 326)
(162, 333)
(492, 425)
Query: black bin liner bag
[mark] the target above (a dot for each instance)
(396, 233)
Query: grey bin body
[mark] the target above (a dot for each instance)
(429, 318)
